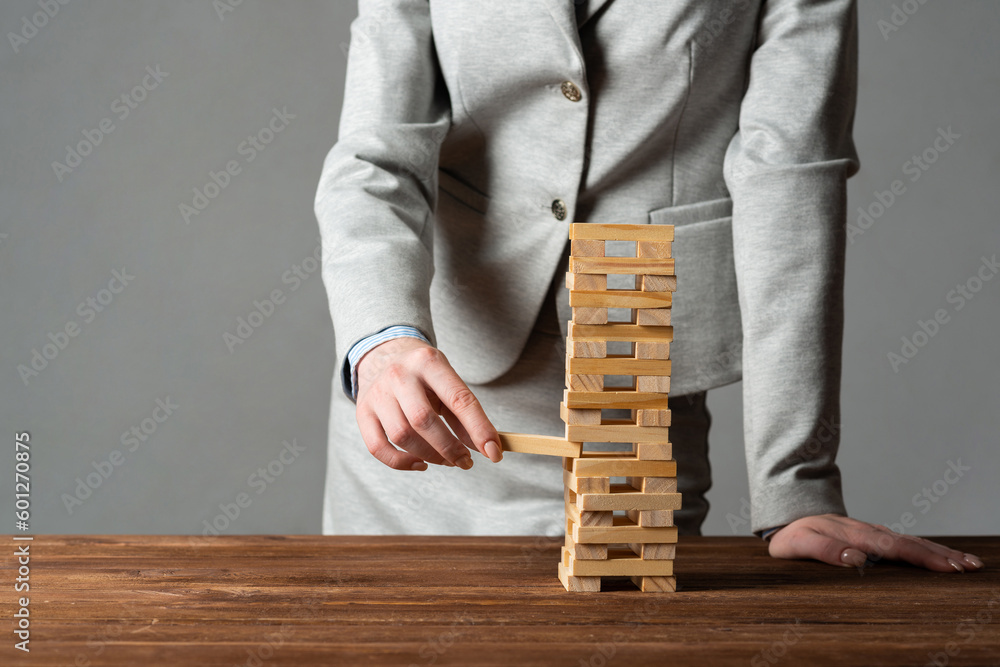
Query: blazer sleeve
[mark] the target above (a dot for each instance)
(786, 169)
(378, 187)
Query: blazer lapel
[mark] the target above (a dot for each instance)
(589, 9)
(564, 14)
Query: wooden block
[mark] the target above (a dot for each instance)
(579, 584)
(606, 453)
(654, 451)
(652, 518)
(590, 315)
(585, 382)
(612, 400)
(624, 497)
(622, 467)
(653, 551)
(650, 283)
(651, 484)
(539, 444)
(622, 265)
(646, 417)
(587, 518)
(619, 299)
(621, 332)
(621, 232)
(588, 282)
(588, 349)
(659, 384)
(586, 248)
(623, 530)
(650, 350)
(654, 584)
(586, 484)
(581, 550)
(660, 249)
(620, 562)
(568, 463)
(611, 432)
(618, 364)
(577, 416)
(656, 317)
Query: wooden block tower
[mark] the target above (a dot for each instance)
(616, 529)
(639, 542)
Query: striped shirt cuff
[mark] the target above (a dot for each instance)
(766, 535)
(359, 349)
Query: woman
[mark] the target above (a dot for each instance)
(472, 134)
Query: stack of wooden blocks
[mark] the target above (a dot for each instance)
(640, 541)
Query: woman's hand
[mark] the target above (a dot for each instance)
(405, 387)
(839, 540)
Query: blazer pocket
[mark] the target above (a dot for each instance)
(462, 192)
(689, 214)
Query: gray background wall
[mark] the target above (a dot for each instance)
(62, 235)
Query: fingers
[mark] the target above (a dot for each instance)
(424, 424)
(456, 396)
(884, 543)
(839, 540)
(380, 448)
(809, 543)
(457, 428)
(410, 397)
(967, 561)
(399, 432)
(491, 449)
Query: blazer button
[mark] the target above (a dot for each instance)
(571, 92)
(559, 209)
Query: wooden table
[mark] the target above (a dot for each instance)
(353, 600)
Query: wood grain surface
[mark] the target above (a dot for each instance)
(424, 600)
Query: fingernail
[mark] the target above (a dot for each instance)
(973, 561)
(419, 465)
(853, 558)
(465, 463)
(493, 451)
(956, 565)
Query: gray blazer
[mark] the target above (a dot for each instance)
(473, 133)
